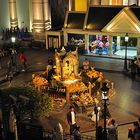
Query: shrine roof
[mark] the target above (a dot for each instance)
(99, 17)
(75, 20)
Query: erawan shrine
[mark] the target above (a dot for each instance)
(68, 83)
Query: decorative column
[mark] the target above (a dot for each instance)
(117, 2)
(13, 14)
(95, 2)
(38, 17)
(110, 45)
(65, 38)
(104, 2)
(30, 15)
(138, 46)
(87, 42)
(131, 2)
(47, 42)
(71, 5)
(118, 42)
(47, 14)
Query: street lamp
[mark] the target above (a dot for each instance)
(96, 110)
(105, 99)
(13, 39)
(14, 53)
(125, 59)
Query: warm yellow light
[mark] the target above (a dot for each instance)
(13, 39)
(137, 27)
(65, 25)
(68, 82)
(37, 12)
(109, 27)
(81, 5)
(13, 11)
(38, 30)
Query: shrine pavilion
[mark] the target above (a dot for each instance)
(106, 24)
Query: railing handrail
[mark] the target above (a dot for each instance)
(83, 136)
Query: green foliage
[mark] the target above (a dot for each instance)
(39, 104)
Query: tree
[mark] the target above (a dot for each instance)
(28, 101)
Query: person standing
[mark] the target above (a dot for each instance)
(9, 68)
(1, 55)
(77, 134)
(9, 74)
(133, 67)
(14, 58)
(0, 61)
(86, 64)
(50, 61)
(134, 134)
(71, 118)
(51, 72)
(23, 61)
(138, 66)
(139, 121)
(99, 133)
(112, 131)
(105, 88)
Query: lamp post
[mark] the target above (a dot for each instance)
(105, 99)
(13, 39)
(125, 59)
(96, 110)
(14, 53)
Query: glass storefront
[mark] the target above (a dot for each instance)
(76, 40)
(119, 45)
(98, 44)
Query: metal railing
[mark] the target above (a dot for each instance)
(51, 135)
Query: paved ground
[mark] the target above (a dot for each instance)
(124, 106)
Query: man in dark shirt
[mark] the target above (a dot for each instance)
(71, 118)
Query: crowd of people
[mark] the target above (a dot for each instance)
(112, 132)
(16, 32)
(134, 133)
(12, 63)
(111, 128)
(10, 49)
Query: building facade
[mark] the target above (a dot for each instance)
(82, 5)
(39, 16)
(102, 30)
(36, 14)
